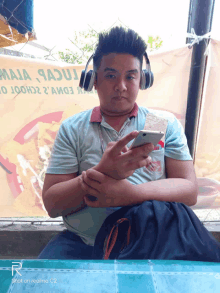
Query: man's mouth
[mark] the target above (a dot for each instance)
(119, 98)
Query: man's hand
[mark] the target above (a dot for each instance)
(107, 191)
(119, 163)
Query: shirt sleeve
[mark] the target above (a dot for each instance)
(175, 141)
(63, 159)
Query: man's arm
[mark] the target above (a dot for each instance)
(180, 186)
(62, 194)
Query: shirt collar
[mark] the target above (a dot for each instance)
(97, 116)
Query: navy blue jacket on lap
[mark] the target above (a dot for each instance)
(155, 230)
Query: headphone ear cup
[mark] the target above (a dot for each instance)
(92, 80)
(143, 80)
(82, 78)
(151, 81)
(89, 82)
(147, 79)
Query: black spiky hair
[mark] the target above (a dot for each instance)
(119, 40)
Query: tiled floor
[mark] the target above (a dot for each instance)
(110, 276)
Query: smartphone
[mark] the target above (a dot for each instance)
(147, 136)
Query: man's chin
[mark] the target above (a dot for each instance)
(118, 109)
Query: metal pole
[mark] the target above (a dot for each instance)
(200, 18)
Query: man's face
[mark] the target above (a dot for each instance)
(117, 85)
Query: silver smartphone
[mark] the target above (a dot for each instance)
(147, 136)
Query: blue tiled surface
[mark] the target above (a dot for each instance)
(110, 276)
(131, 283)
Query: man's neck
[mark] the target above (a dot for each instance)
(116, 121)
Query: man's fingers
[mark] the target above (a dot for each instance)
(88, 188)
(148, 147)
(117, 148)
(89, 182)
(139, 164)
(138, 153)
(95, 175)
(149, 160)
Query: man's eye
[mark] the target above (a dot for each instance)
(130, 77)
(110, 76)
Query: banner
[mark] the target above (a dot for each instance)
(207, 160)
(36, 96)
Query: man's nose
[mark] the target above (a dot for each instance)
(120, 85)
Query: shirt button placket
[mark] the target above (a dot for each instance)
(115, 136)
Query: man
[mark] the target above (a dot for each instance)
(92, 172)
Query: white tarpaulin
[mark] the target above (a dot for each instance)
(207, 160)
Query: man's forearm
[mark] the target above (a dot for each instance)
(170, 189)
(64, 197)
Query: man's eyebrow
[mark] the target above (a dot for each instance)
(114, 70)
(110, 69)
(133, 71)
